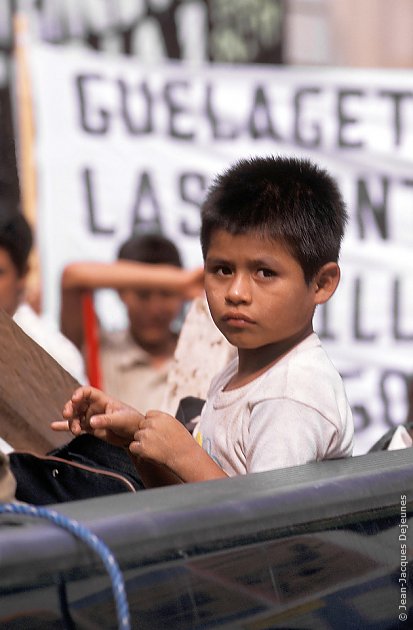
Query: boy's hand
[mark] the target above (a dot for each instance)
(161, 438)
(92, 411)
(164, 441)
(154, 439)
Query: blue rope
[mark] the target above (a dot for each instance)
(82, 532)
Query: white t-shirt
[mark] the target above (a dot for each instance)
(294, 413)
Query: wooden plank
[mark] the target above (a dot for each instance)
(33, 390)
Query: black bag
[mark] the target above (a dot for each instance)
(84, 468)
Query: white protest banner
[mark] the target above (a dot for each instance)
(124, 147)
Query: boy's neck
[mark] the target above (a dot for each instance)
(255, 361)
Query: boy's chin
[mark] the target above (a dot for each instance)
(242, 344)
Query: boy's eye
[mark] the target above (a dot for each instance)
(223, 271)
(265, 273)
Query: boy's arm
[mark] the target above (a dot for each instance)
(154, 475)
(122, 274)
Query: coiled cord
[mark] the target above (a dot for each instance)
(87, 536)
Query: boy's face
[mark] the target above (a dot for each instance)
(11, 284)
(256, 290)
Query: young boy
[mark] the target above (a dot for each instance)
(271, 234)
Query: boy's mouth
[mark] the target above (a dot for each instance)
(237, 319)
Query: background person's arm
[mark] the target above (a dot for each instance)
(89, 276)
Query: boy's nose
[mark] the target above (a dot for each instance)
(238, 290)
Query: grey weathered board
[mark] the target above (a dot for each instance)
(33, 390)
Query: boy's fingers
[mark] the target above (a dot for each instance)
(65, 425)
(82, 393)
(119, 422)
(101, 421)
(135, 447)
(115, 422)
(75, 426)
(60, 425)
(67, 409)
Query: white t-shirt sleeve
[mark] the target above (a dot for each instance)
(283, 433)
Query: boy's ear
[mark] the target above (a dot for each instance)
(326, 282)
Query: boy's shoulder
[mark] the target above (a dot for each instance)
(282, 379)
(305, 375)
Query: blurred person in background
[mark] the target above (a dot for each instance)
(16, 242)
(153, 286)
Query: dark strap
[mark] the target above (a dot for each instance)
(189, 408)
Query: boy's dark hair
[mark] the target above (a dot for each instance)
(16, 238)
(288, 199)
(150, 248)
